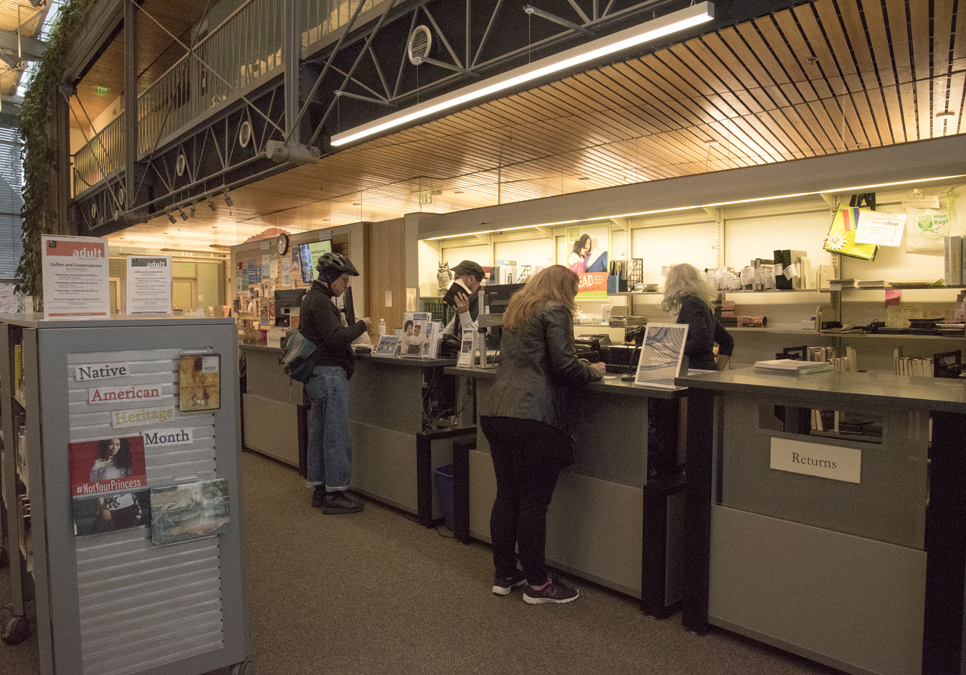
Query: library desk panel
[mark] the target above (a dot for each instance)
(844, 548)
(384, 465)
(607, 522)
(271, 428)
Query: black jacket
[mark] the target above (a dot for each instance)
(321, 322)
(537, 370)
(703, 331)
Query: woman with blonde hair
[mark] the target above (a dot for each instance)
(525, 419)
(686, 291)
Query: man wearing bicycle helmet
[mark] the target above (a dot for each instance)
(329, 461)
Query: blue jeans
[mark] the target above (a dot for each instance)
(329, 460)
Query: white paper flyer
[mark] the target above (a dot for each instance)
(75, 277)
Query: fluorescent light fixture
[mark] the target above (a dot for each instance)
(597, 49)
(637, 214)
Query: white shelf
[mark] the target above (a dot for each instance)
(773, 331)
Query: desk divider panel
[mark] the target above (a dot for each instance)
(888, 505)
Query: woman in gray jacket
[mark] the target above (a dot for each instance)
(524, 419)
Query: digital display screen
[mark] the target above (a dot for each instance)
(309, 255)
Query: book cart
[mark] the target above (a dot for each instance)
(114, 602)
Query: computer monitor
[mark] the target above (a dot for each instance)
(285, 300)
(344, 303)
(498, 296)
(309, 255)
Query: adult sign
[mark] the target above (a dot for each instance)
(75, 277)
(148, 285)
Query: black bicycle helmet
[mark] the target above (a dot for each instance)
(335, 262)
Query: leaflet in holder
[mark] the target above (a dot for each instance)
(662, 355)
(455, 288)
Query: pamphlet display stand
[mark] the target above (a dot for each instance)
(108, 599)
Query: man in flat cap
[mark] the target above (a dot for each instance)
(467, 306)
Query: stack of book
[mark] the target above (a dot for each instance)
(924, 326)
(724, 312)
(951, 328)
(790, 366)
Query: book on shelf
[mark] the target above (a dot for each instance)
(790, 366)
(870, 283)
(953, 260)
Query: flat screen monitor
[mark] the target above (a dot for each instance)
(285, 300)
(498, 296)
(309, 254)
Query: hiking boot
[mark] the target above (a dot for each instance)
(318, 496)
(503, 585)
(337, 503)
(553, 591)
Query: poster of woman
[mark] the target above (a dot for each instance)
(588, 247)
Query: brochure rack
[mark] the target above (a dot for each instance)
(114, 602)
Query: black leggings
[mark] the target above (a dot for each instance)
(525, 460)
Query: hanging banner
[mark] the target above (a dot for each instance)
(75, 277)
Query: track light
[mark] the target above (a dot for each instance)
(211, 205)
(184, 216)
(191, 210)
(171, 218)
(228, 200)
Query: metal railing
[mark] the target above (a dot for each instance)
(102, 155)
(244, 48)
(321, 17)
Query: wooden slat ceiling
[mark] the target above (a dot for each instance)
(825, 77)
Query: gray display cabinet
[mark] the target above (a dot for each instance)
(113, 603)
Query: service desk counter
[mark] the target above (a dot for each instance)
(843, 545)
(393, 402)
(607, 522)
(273, 417)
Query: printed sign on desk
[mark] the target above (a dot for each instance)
(75, 277)
(149, 285)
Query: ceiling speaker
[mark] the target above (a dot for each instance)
(420, 44)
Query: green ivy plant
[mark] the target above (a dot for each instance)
(38, 152)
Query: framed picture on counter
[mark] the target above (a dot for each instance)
(661, 354)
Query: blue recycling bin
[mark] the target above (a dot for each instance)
(444, 489)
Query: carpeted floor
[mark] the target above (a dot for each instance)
(377, 593)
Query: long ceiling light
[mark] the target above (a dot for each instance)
(625, 39)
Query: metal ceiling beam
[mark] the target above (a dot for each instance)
(31, 49)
